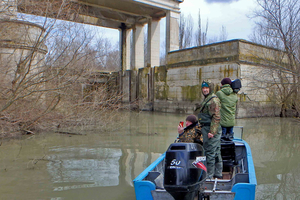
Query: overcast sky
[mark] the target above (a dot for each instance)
(229, 13)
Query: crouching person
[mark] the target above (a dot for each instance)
(192, 131)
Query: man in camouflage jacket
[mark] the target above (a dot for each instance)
(209, 119)
(192, 131)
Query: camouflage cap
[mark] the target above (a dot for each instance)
(208, 84)
(204, 84)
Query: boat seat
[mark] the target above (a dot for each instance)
(228, 153)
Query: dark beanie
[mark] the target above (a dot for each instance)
(226, 81)
(191, 118)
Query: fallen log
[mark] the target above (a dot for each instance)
(68, 133)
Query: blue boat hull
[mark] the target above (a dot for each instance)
(242, 189)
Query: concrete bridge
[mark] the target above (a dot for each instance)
(174, 87)
(125, 15)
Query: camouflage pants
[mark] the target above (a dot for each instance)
(212, 148)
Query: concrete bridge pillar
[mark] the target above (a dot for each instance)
(153, 43)
(172, 31)
(138, 48)
(125, 47)
(21, 44)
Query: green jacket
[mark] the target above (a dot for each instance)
(228, 105)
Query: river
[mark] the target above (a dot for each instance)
(101, 165)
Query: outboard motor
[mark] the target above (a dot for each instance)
(185, 170)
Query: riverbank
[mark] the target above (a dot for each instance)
(105, 120)
(114, 122)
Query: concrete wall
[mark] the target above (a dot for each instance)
(128, 86)
(21, 47)
(176, 87)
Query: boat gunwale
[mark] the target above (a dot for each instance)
(251, 186)
(146, 171)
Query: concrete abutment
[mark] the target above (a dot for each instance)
(176, 86)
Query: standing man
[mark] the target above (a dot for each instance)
(209, 119)
(228, 100)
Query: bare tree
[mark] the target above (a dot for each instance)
(188, 37)
(182, 29)
(189, 34)
(278, 26)
(186, 33)
(199, 30)
(38, 91)
(113, 60)
(223, 34)
(201, 37)
(219, 38)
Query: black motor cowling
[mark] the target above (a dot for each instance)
(185, 170)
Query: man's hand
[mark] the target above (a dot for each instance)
(180, 129)
(210, 135)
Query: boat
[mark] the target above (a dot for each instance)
(238, 181)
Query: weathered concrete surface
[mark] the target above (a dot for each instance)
(128, 86)
(20, 42)
(176, 86)
(218, 52)
(180, 88)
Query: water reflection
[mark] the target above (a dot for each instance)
(74, 168)
(103, 165)
(85, 167)
(275, 145)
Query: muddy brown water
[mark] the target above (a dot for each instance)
(101, 165)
